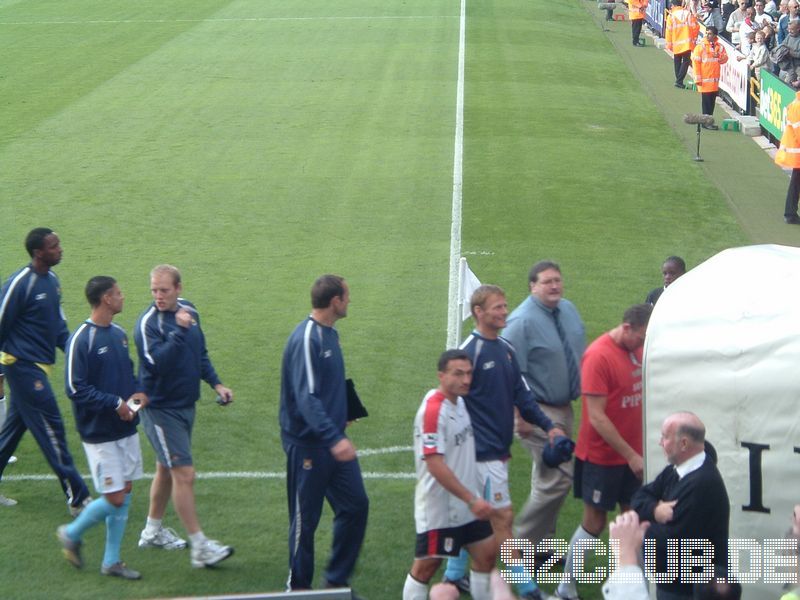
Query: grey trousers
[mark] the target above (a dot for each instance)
(549, 487)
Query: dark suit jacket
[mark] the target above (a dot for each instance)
(702, 512)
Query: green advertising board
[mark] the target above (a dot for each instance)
(773, 102)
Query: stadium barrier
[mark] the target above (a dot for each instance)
(773, 100)
(763, 95)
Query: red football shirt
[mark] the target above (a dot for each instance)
(610, 370)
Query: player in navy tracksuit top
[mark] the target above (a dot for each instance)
(32, 325)
(320, 460)
(99, 380)
(99, 375)
(497, 388)
(172, 361)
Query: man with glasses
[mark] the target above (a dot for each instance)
(549, 337)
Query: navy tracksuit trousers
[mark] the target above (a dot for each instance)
(313, 475)
(33, 407)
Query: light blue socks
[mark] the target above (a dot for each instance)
(115, 529)
(98, 510)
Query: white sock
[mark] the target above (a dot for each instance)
(414, 590)
(197, 538)
(152, 526)
(479, 585)
(568, 589)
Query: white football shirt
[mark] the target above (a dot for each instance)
(443, 427)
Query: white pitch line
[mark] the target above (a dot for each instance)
(387, 450)
(256, 474)
(225, 20)
(455, 222)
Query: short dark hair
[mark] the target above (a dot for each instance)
(452, 354)
(542, 265)
(681, 264)
(325, 289)
(638, 315)
(677, 2)
(35, 239)
(712, 29)
(481, 295)
(97, 287)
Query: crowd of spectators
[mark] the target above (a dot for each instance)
(760, 29)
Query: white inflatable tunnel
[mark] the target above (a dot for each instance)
(724, 343)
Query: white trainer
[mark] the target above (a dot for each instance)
(77, 509)
(6, 501)
(164, 538)
(209, 553)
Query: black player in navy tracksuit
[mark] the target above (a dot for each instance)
(320, 460)
(32, 325)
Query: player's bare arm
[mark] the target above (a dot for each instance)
(447, 479)
(596, 406)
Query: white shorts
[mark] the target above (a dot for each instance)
(493, 481)
(114, 463)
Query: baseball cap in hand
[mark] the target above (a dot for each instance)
(558, 452)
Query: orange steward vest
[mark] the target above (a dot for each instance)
(706, 63)
(682, 30)
(789, 153)
(636, 9)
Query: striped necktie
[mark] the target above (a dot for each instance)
(572, 365)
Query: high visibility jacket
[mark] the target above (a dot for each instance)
(682, 30)
(706, 61)
(788, 154)
(636, 9)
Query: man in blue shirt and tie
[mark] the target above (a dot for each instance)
(549, 338)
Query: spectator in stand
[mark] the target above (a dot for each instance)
(697, 9)
(789, 68)
(707, 57)
(727, 6)
(735, 21)
(782, 20)
(713, 14)
(681, 34)
(765, 23)
(763, 16)
(792, 14)
(747, 31)
(759, 55)
(772, 10)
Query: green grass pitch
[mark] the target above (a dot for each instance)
(259, 143)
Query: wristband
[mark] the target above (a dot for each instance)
(472, 501)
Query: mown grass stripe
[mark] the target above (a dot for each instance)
(230, 20)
